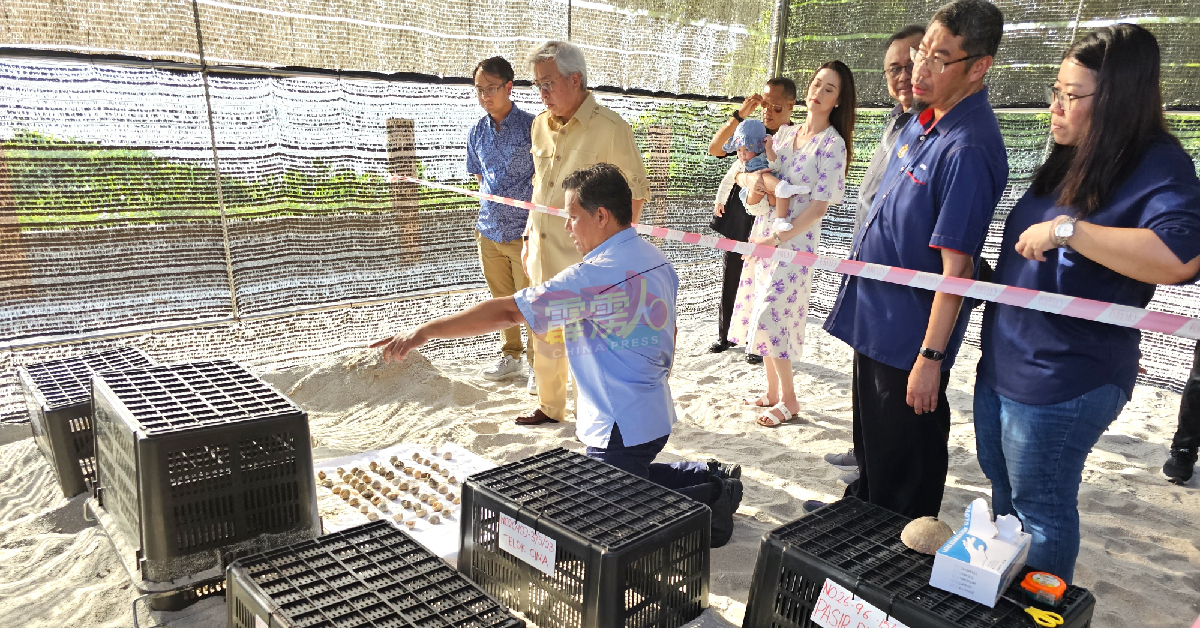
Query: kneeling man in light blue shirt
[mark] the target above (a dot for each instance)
(613, 315)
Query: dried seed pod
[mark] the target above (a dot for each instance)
(376, 484)
(398, 517)
(393, 459)
(360, 486)
(383, 507)
(320, 475)
(403, 485)
(372, 517)
(408, 470)
(374, 465)
(434, 519)
(424, 498)
(364, 509)
(355, 471)
(368, 493)
(447, 456)
(434, 466)
(345, 494)
(433, 483)
(443, 490)
(416, 456)
(354, 501)
(389, 475)
(445, 472)
(421, 512)
(457, 501)
(340, 470)
(452, 480)
(411, 523)
(451, 496)
(437, 506)
(425, 461)
(328, 483)
(376, 500)
(415, 490)
(407, 503)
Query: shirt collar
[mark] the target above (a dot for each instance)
(496, 125)
(957, 113)
(613, 241)
(584, 114)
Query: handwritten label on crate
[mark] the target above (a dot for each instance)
(259, 623)
(837, 608)
(525, 543)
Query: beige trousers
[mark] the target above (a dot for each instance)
(504, 276)
(551, 251)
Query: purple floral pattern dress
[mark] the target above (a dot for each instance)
(772, 298)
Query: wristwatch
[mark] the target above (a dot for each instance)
(1063, 231)
(737, 116)
(931, 354)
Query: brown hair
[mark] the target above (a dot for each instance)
(842, 116)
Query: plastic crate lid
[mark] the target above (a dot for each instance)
(604, 505)
(68, 381)
(863, 540)
(370, 575)
(199, 394)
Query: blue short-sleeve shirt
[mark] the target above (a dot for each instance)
(939, 191)
(500, 155)
(616, 313)
(1038, 358)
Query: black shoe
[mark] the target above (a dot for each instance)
(719, 346)
(727, 503)
(809, 506)
(753, 358)
(724, 471)
(1178, 468)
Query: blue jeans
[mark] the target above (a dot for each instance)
(689, 478)
(1034, 457)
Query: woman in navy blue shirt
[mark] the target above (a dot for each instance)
(1114, 211)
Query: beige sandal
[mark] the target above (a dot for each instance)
(776, 416)
(761, 402)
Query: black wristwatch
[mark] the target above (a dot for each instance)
(931, 354)
(737, 116)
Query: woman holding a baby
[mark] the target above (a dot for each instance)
(803, 174)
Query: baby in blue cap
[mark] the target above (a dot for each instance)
(750, 142)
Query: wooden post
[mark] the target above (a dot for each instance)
(14, 267)
(402, 161)
(658, 169)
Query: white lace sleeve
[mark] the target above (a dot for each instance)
(726, 185)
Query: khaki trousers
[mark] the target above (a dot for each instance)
(504, 276)
(551, 251)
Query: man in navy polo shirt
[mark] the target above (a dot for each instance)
(932, 212)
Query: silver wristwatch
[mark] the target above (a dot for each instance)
(1063, 231)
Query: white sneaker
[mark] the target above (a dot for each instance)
(780, 225)
(507, 366)
(531, 383)
(787, 190)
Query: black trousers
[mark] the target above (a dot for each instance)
(901, 455)
(1188, 433)
(729, 286)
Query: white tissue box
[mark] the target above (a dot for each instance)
(982, 558)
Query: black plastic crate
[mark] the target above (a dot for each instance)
(197, 465)
(629, 553)
(58, 394)
(858, 546)
(368, 576)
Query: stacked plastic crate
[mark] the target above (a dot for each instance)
(198, 464)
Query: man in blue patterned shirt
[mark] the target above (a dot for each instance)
(498, 155)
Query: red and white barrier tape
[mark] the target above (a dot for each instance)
(1087, 309)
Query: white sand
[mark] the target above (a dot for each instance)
(1141, 535)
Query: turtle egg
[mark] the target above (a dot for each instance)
(327, 483)
(434, 519)
(416, 456)
(410, 523)
(457, 501)
(364, 509)
(320, 475)
(372, 517)
(390, 475)
(452, 480)
(393, 459)
(374, 465)
(445, 472)
(447, 456)
(353, 501)
(443, 490)
(437, 507)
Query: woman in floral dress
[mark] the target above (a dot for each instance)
(772, 298)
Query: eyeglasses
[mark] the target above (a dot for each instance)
(900, 69)
(488, 92)
(1064, 99)
(775, 108)
(548, 85)
(936, 65)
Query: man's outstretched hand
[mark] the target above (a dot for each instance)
(397, 347)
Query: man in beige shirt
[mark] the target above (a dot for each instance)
(573, 132)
